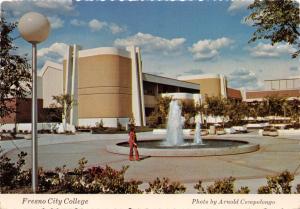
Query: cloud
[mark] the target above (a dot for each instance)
(15, 9)
(208, 49)
(237, 5)
(65, 5)
(77, 22)
(114, 28)
(150, 43)
(96, 25)
(294, 69)
(56, 22)
(268, 50)
(244, 78)
(55, 53)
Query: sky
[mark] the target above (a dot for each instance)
(176, 38)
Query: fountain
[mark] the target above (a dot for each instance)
(197, 136)
(176, 144)
(174, 125)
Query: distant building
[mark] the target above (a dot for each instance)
(209, 84)
(288, 88)
(213, 85)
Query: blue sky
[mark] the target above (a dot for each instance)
(176, 38)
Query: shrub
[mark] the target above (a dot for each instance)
(223, 186)
(152, 120)
(93, 180)
(111, 181)
(279, 184)
(45, 182)
(100, 125)
(12, 175)
(164, 186)
(119, 126)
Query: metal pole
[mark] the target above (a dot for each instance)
(34, 122)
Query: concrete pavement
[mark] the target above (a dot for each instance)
(250, 169)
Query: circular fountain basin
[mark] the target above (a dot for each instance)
(210, 147)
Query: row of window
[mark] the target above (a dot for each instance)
(155, 89)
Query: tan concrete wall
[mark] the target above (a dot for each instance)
(209, 86)
(104, 87)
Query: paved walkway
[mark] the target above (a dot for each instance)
(250, 169)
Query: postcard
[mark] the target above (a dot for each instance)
(150, 104)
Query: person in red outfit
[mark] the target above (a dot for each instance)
(133, 144)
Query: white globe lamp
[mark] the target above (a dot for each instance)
(34, 28)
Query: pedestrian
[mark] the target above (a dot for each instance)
(133, 144)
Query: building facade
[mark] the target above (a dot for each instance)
(211, 85)
(108, 85)
(288, 88)
(51, 82)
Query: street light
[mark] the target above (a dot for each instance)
(34, 28)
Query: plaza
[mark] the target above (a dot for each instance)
(275, 155)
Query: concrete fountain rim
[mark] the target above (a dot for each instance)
(240, 149)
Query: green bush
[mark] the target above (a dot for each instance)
(153, 120)
(279, 184)
(12, 175)
(164, 186)
(222, 186)
(93, 180)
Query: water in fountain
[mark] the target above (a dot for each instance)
(197, 136)
(174, 126)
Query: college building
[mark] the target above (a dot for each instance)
(108, 85)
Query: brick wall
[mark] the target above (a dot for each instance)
(23, 111)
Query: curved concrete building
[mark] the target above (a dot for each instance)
(106, 83)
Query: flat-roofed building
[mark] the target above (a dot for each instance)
(282, 84)
(288, 88)
(155, 86)
(211, 85)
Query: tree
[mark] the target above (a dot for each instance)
(15, 76)
(217, 107)
(277, 21)
(275, 105)
(66, 102)
(163, 108)
(160, 113)
(189, 111)
(293, 110)
(236, 110)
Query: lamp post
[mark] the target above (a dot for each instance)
(34, 28)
